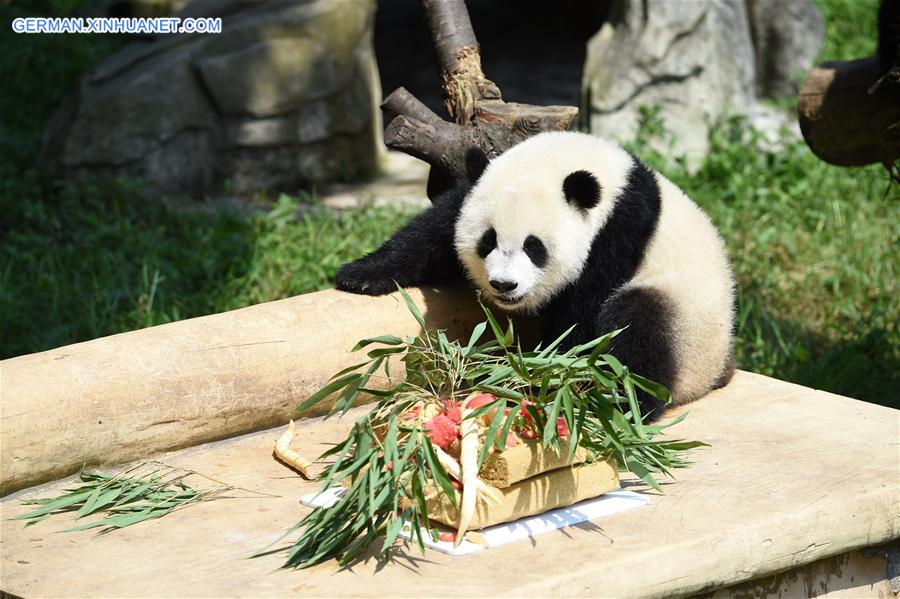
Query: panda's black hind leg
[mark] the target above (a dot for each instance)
(646, 346)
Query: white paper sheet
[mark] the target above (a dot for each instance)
(523, 528)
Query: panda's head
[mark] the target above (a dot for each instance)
(526, 228)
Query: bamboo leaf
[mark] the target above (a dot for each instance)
(393, 530)
(386, 393)
(440, 474)
(98, 501)
(500, 442)
(372, 477)
(382, 339)
(138, 491)
(568, 407)
(641, 471)
(477, 332)
(56, 505)
(123, 496)
(499, 334)
(614, 364)
(411, 305)
(590, 345)
(491, 433)
(575, 432)
(353, 390)
(510, 337)
(348, 370)
(326, 391)
(92, 499)
(550, 436)
(501, 391)
(653, 388)
(385, 351)
(550, 348)
(37, 519)
(635, 408)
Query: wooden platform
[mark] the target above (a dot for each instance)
(793, 476)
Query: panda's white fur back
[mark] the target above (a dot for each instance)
(684, 239)
(685, 258)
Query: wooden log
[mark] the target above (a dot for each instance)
(131, 395)
(850, 114)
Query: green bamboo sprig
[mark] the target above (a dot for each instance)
(389, 464)
(142, 492)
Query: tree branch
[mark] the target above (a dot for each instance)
(462, 80)
(401, 102)
(432, 142)
(482, 118)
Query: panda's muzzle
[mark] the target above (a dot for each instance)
(503, 286)
(507, 300)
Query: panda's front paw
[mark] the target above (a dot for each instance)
(360, 277)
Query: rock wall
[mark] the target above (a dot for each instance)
(787, 37)
(286, 96)
(697, 62)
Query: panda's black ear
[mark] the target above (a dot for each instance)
(476, 162)
(582, 190)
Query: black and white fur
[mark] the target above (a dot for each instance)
(574, 229)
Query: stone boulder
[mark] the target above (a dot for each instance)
(694, 61)
(787, 38)
(286, 96)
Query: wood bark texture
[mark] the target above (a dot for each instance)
(480, 116)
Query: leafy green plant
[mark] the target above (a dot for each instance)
(143, 492)
(391, 461)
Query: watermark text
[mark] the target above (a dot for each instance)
(117, 25)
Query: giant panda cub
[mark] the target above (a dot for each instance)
(572, 228)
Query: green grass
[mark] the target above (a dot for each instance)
(80, 262)
(850, 28)
(813, 245)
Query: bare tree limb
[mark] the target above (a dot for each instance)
(426, 141)
(462, 79)
(482, 118)
(401, 102)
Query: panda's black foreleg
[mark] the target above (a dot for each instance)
(421, 253)
(646, 346)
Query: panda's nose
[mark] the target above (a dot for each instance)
(503, 286)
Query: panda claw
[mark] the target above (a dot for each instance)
(356, 278)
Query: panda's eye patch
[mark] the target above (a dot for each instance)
(535, 250)
(487, 243)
